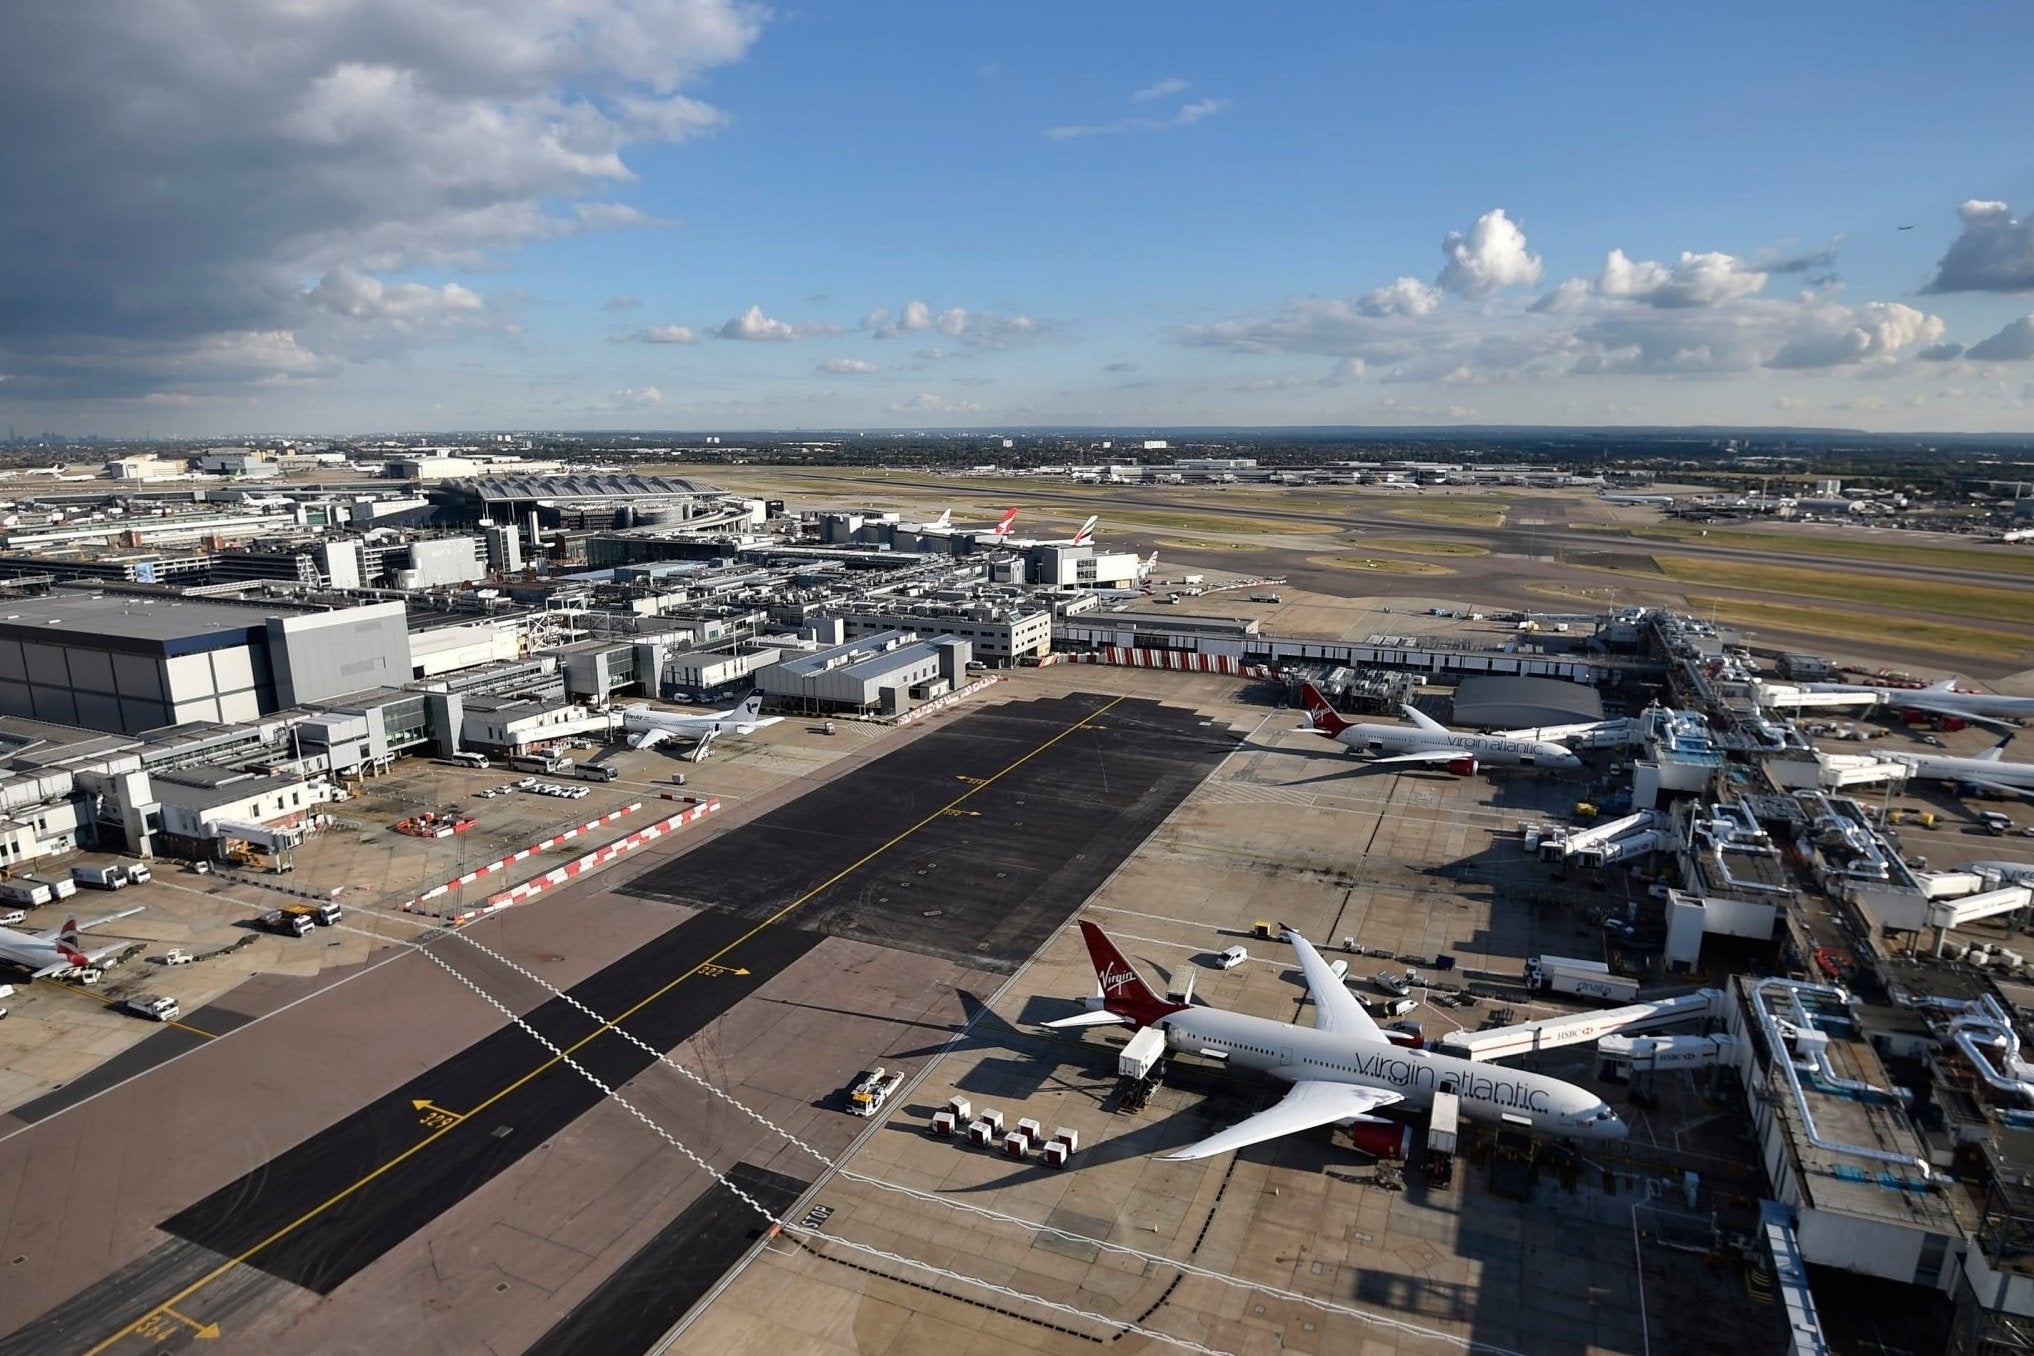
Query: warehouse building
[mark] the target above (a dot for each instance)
(128, 662)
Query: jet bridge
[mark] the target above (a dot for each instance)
(1603, 844)
(1946, 914)
(1553, 1032)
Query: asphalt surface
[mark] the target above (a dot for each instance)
(673, 1271)
(1001, 863)
(509, 1094)
(971, 844)
(189, 1032)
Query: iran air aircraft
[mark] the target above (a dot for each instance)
(45, 953)
(1426, 740)
(647, 728)
(1341, 1070)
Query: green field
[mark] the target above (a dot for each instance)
(1466, 511)
(1887, 547)
(1382, 564)
(1914, 595)
(1866, 629)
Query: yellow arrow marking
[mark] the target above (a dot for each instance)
(712, 971)
(434, 1116)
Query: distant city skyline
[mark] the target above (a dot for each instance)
(708, 215)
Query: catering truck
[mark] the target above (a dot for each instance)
(1583, 979)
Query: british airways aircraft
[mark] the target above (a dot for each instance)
(1426, 740)
(45, 953)
(1341, 1070)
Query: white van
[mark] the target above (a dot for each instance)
(1230, 959)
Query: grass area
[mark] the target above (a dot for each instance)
(1467, 511)
(1916, 595)
(1424, 546)
(1381, 564)
(1891, 547)
(1867, 629)
(1210, 522)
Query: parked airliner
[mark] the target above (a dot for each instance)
(1426, 740)
(45, 953)
(1342, 1069)
(1942, 698)
(647, 728)
(1988, 771)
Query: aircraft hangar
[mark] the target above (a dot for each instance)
(1503, 702)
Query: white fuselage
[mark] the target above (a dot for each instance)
(1988, 704)
(642, 720)
(1488, 1093)
(1498, 750)
(1998, 772)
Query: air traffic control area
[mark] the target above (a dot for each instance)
(737, 1039)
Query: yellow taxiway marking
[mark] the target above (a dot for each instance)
(438, 1132)
(712, 971)
(106, 1002)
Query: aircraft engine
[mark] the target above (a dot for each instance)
(1462, 767)
(1381, 1139)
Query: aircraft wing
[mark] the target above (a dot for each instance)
(1915, 701)
(1427, 756)
(87, 924)
(648, 739)
(1335, 1008)
(1310, 1103)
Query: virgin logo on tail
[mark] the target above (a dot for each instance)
(1111, 979)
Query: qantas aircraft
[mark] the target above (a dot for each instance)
(647, 728)
(45, 953)
(1341, 1070)
(1426, 740)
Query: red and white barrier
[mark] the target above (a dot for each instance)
(948, 700)
(1182, 661)
(599, 857)
(412, 906)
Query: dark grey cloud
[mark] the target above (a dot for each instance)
(1941, 353)
(192, 186)
(1995, 252)
(1798, 261)
(2014, 343)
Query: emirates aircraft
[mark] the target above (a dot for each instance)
(1426, 740)
(45, 953)
(1341, 1070)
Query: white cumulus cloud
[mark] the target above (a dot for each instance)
(1692, 280)
(1490, 258)
(1406, 296)
(752, 324)
(848, 367)
(358, 296)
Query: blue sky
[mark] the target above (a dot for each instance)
(690, 214)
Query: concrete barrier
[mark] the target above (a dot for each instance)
(599, 857)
